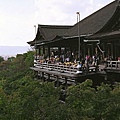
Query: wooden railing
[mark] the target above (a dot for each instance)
(63, 68)
(57, 67)
(113, 64)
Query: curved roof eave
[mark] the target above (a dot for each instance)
(49, 32)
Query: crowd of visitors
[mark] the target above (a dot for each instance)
(70, 59)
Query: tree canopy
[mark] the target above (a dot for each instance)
(24, 98)
(1, 59)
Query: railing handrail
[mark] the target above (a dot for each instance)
(63, 68)
(113, 64)
(57, 67)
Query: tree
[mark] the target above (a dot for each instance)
(33, 100)
(87, 103)
(3, 101)
(23, 98)
(80, 101)
(1, 59)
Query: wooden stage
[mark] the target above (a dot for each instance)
(62, 74)
(67, 75)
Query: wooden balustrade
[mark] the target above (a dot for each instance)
(63, 68)
(57, 67)
(113, 64)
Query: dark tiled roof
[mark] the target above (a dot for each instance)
(88, 26)
(49, 32)
(95, 21)
(111, 29)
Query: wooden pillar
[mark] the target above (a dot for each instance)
(92, 49)
(49, 52)
(59, 51)
(39, 51)
(36, 74)
(96, 50)
(35, 52)
(105, 49)
(39, 76)
(57, 82)
(43, 76)
(66, 85)
(112, 50)
(65, 50)
(84, 50)
(49, 78)
(64, 53)
(44, 50)
(115, 51)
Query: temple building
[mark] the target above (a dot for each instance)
(98, 34)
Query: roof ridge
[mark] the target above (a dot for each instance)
(54, 25)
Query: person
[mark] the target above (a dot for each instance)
(52, 54)
(67, 57)
(93, 60)
(87, 58)
(83, 62)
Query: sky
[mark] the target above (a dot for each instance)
(18, 17)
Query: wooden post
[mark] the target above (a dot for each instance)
(115, 55)
(49, 52)
(44, 50)
(92, 49)
(59, 51)
(49, 77)
(39, 51)
(66, 85)
(43, 76)
(57, 82)
(36, 74)
(84, 52)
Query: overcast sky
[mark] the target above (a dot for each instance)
(18, 17)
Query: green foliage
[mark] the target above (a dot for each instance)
(80, 100)
(3, 101)
(1, 59)
(31, 100)
(15, 68)
(87, 103)
(35, 100)
(23, 98)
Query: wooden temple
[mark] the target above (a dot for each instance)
(99, 35)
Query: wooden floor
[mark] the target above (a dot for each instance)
(64, 74)
(112, 70)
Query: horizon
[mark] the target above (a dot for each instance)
(8, 51)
